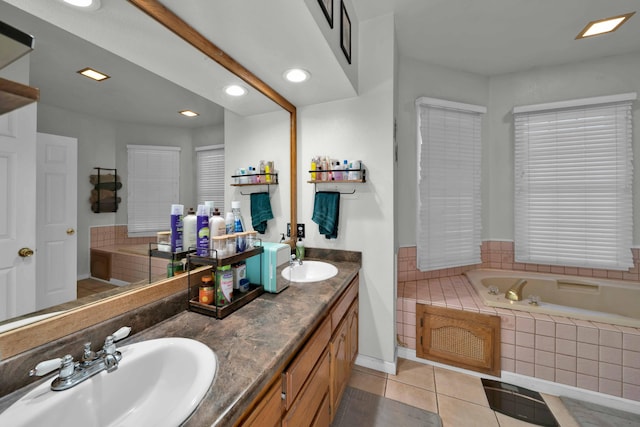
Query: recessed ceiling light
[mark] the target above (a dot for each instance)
(235, 90)
(93, 74)
(189, 113)
(297, 75)
(83, 4)
(603, 26)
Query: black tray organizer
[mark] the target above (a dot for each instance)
(215, 310)
(154, 252)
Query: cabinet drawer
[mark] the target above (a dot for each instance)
(323, 417)
(299, 370)
(268, 413)
(341, 307)
(304, 410)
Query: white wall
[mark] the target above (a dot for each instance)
(247, 141)
(103, 143)
(500, 94)
(360, 128)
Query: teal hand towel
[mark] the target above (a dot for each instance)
(260, 211)
(326, 210)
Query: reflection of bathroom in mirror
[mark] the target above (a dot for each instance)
(137, 107)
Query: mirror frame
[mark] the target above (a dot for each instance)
(24, 338)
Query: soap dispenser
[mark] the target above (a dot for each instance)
(300, 249)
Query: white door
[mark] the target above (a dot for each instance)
(56, 241)
(17, 212)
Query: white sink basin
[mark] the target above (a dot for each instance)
(158, 383)
(309, 271)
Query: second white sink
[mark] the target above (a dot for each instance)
(158, 383)
(309, 271)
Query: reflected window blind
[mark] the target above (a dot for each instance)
(448, 210)
(573, 183)
(210, 179)
(153, 184)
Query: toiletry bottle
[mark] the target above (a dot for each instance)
(189, 230)
(217, 228)
(267, 171)
(238, 222)
(228, 221)
(203, 231)
(300, 249)
(176, 227)
(313, 169)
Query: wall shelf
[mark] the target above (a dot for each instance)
(362, 180)
(14, 95)
(273, 180)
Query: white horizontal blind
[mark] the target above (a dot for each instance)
(153, 184)
(573, 186)
(210, 179)
(448, 210)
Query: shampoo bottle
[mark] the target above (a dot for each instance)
(202, 228)
(176, 227)
(189, 230)
(300, 249)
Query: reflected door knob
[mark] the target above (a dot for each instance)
(25, 252)
(70, 231)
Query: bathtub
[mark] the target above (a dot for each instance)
(600, 300)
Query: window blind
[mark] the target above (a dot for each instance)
(153, 183)
(210, 170)
(573, 184)
(448, 210)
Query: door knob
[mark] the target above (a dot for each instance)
(25, 252)
(70, 231)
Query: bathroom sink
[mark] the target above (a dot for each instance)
(158, 383)
(309, 271)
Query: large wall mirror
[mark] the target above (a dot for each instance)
(140, 103)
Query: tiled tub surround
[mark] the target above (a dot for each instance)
(251, 343)
(129, 259)
(592, 356)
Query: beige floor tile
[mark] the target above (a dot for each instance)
(460, 386)
(563, 417)
(414, 373)
(367, 382)
(411, 395)
(460, 413)
(506, 421)
(369, 371)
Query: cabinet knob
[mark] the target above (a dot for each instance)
(70, 231)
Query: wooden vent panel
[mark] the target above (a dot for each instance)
(458, 338)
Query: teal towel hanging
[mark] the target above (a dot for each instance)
(260, 211)
(326, 210)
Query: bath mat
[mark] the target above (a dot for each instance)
(360, 408)
(592, 415)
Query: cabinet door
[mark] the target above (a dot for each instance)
(340, 364)
(323, 417)
(352, 318)
(268, 413)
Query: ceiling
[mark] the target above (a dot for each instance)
(487, 37)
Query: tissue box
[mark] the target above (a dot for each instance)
(265, 273)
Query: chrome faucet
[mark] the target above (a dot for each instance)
(514, 293)
(295, 260)
(72, 373)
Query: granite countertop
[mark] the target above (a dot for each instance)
(253, 343)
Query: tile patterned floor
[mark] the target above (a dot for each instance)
(88, 287)
(457, 397)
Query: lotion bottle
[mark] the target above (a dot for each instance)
(299, 249)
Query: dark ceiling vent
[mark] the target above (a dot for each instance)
(13, 44)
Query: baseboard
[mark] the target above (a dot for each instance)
(118, 282)
(536, 384)
(377, 364)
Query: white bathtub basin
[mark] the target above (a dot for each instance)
(309, 271)
(158, 383)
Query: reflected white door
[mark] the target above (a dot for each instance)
(56, 217)
(17, 212)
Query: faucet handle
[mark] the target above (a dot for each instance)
(121, 333)
(44, 367)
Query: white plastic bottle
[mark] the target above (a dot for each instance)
(217, 226)
(189, 230)
(228, 221)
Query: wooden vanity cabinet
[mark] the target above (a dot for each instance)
(313, 382)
